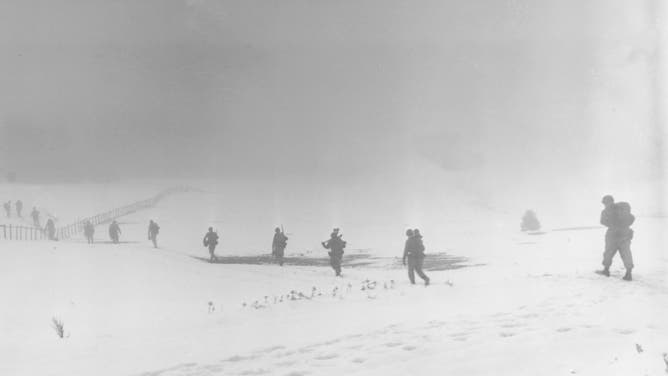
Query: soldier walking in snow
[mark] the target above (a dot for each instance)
(50, 229)
(114, 232)
(618, 219)
(211, 241)
(89, 231)
(414, 253)
(153, 230)
(35, 217)
(278, 245)
(19, 208)
(8, 208)
(336, 245)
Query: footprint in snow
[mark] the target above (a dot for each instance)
(512, 325)
(286, 363)
(239, 358)
(326, 357)
(213, 368)
(625, 331)
(251, 372)
(297, 373)
(271, 349)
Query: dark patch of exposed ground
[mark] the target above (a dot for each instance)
(432, 262)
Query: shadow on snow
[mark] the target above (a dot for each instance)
(432, 262)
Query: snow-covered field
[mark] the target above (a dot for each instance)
(525, 305)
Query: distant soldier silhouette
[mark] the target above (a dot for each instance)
(211, 241)
(336, 245)
(114, 232)
(153, 230)
(35, 217)
(278, 245)
(414, 253)
(618, 219)
(89, 231)
(50, 229)
(8, 208)
(19, 208)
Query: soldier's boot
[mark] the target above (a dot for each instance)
(627, 276)
(426, 282)
(605, 272)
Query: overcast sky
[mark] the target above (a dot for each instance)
(250, 88)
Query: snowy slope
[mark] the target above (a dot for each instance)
(531, 304)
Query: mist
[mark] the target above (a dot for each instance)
(516, 90)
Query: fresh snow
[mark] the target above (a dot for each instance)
(523, 305)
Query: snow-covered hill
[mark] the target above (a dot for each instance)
(524, 305)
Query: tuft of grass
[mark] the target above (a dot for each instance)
(58, 326)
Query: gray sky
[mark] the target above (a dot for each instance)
(250, 88)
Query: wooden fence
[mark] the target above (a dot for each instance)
(16, 232)
(13, 232)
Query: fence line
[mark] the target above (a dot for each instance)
(13, 232)
(17, 232)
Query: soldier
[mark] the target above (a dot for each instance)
(624, 235)
(414, 252)
(336, 245)
(153, 230)
(50, 229)
(8, 208)
(19, 208)
(114, 231)
(618, 219)
(35, 217)
(211, 241)
(89, 231)
(278, 245)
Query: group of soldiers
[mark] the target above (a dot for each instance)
(18, 205)
(8, 208)
(616, 217)
(413, 255)
(115, 232)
